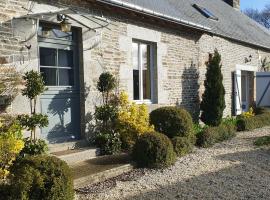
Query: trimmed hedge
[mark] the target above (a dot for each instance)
(172, 121)
(41, 177)
(258, 121)
(211, 135)
(154, 150)
(182, 145)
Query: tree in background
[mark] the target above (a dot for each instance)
(213, 102)
(262, 17)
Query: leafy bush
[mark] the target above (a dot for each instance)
(106, 136)
(154, 150)
(34, 147)
(110, 143)
(211, 135)
(258, 121)
(41, 177)
(133, 121)
(11, 144)
(182, 145)
(248, 114)
(172, 121)
(213, 101)
(263, 141)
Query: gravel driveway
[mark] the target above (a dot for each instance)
(235, 169)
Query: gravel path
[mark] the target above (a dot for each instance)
(235, 169)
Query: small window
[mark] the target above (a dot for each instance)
(205, 12)
(56, 66)
(142, 71)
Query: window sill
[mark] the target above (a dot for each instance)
(147, 102)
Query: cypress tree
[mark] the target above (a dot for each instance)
(213, 102)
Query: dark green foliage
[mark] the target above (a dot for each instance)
(34, 147)
(182, 145)
(41, 178)
(5, 191)
(213, 102)
(33, 121)
(211, 135)
(172, 121)
(258, 121)
(109, 143)
(154, 150)
(34, 84)
(263, 141)
(106, 136)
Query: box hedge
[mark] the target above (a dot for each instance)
(154, 150)
(182, 146)
(258, 121)
(211, 135)
(41, 177)
(172, 121)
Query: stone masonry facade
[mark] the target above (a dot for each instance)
(181, 55)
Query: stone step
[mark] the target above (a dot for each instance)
(99, 169)
(64, 146)
(73, 156)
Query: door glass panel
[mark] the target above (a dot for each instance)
(65, 58)
(244, 88)
(136, 79)
(65, 77)
(145, 49)
(49, 76)
(47, 57)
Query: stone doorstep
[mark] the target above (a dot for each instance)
(73, 156)
(64, 146)
(99, 169)
(102, 176)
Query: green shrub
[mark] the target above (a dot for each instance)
(258, 121)
(34, 147)
(211, 135)
(213, 101)
(182, 145)
(172, 121)
(41, 177)
(154, 150)
(263, 141)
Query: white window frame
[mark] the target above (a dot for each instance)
(151, 59)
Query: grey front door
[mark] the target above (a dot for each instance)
(59, 67)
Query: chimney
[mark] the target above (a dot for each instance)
(233, 3)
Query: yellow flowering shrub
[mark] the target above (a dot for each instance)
(249, 113)
(11, 144)
(133, 120)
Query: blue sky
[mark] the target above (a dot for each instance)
(257, 4)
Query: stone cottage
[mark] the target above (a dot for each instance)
(157, 49)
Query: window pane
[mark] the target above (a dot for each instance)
(145, 49)
(136, 85)
(49, 76)
(65, 77)
(47, 57)
(135, 55)
(65, 58)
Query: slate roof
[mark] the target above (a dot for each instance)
(231, 23)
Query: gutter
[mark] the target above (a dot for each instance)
(136, 8)
(150, 12)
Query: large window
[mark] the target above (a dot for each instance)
(142, 71)
(56, 66)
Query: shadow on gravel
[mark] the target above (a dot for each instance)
(247, 178)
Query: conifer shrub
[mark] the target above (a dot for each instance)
(213, 102)
(154, 150)
(182, 146)
(41, 177)
(172, 121)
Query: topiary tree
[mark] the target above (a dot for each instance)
(213, 102)
(154, 150)
(106, 136)
(41, 177)
(34, 86)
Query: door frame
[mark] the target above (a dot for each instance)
(237, 91)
